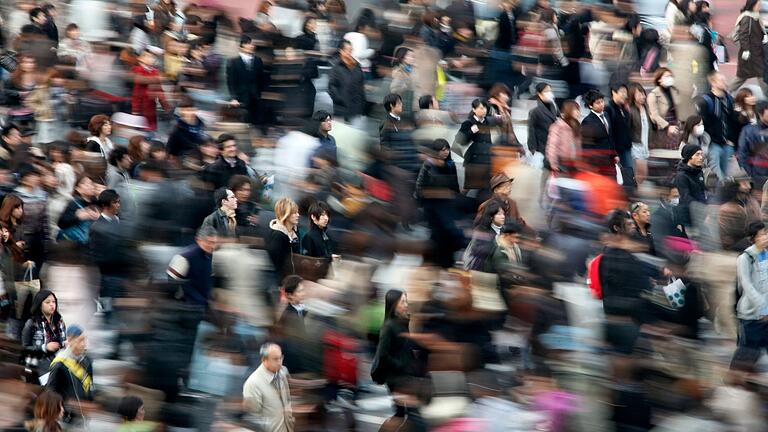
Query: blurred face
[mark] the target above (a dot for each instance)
(248, 48)
(125, 162)
(696, 159)
(598, 106)
(435, 103)
(49, 305)
(229, 149)
(207, 244)
(147, 59)
(31, 181)
(642, 214)
(397, 108)
(326, 125)
(444, 153)
(298, 296)
(17, 213)
(498, 218)
(209, 150)
(78, 345)
(5, 233)
(620, 96)
(409, 58)
(293, 219)
(189, 115)
(761, 239)
(504, 188)
(480, 111)
(311, 26)
(401, 309)
(27, 64)
(243, 194)
(273, 362)
(49, 180)
(346, 52)
(745, 186)
(140, 413)
(639, 98)
(106, 129)
(86, 188)
(40, 19)
(717, 81)
(115, 207)
(750, 100)
(74, 34)
(321, 221)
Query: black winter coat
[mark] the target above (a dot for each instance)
(619, 121)
(347, 90)
(316, 243)
(539, 121)
(395, 352)
(436, 178)
(624, 278)
(396, 139)
(280, 250)
(245, 84)
(477, 158)
(690, 183)
(219, 172)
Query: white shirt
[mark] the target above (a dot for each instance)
(394, 116)
(247, 59)
(110, 218)
(645, 128)
(602, 118)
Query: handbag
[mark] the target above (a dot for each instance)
(310, 268)
(26, 290)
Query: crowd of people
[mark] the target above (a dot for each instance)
(495, 215)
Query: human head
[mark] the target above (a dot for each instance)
(99, 125)
(324, 120)
(663, 78)
(131, 408)
(749, 6)
(45, 303)
(441, 148)
(225, 199)
(28, 176)
(227, 145)
(427, 102)
(49, 407)
(544, 92)
(717, 81)
(310, 25)
(745, 99)
(480, 108)
(319, 214)
(287, 212)
(758, 235)
(548, 16)
(120, 159)
(641, 214)
(138, 148)
(393, 104)
(761, 110)
(76, 340)
(491, 213)
(619, 222)
(633, 25)
(595, 101)
(692, 155)
(37, 16)
(271, 357)
(571, 111)
(395, 305)
(501, 184)
(694, 126)
(345, 51)
(241, 186)
(187, 110)
(109, 201)
(11, 135)
(49, 9)
(500, 92)
(246, 44)
(405, 56)
(72, 31)
(12, 207)
(294, 289)
(619, 93)
(84, 187)
(207, 239)
(636, 95)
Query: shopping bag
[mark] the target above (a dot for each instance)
(26, 290)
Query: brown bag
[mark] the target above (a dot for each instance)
(310, 268)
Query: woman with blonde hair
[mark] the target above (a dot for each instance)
(283, 238)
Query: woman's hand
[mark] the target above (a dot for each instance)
(672, 130)
(52, 346)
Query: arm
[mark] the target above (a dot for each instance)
(742, 155)
(334, 86)
(422, 180)
(653, 110)
(554, 141)
(69, 217)
(532, 131)
(744, 274)
(253, 400)
(231, 80)
(27, 337)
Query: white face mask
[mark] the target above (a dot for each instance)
(698, 130)
(667, 81)
(674, 202)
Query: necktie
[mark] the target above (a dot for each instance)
(605, 122)
(278, 387)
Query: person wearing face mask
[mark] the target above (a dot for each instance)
(738, 211)
(753, 153)
(716, 109)
(541, 118)
(665, 223)
(663, 102)
(695, 133)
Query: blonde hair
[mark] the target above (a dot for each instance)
(284, 208)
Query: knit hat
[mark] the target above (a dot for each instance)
(74, 331)
(688, 151)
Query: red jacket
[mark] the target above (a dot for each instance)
(145, 96)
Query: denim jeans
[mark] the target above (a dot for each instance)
(753, 338)
(718, 159)
(625, 158)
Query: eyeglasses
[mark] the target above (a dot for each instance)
(636, 206)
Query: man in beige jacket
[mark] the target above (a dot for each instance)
(266, 394)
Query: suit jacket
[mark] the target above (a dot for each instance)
(263, 399)
(618, 119)
(597, 145)
(245, 85)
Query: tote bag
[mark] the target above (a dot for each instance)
(25, 292)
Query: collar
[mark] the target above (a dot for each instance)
(247, 58)
(598, 114)
(477, 119)
(299, 307)
(110, 218)
(394, 116)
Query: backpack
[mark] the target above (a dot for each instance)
(593, 277)
(737, 291)
(712, 108)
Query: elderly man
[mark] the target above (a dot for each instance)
(266, 393)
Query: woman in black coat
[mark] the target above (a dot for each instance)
(437, 187)
(44, 332)
(283, 238)
(317, 243)
(475, 133)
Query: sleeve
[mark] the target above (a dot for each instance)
(653, 110)
(231, 79)
(68, 218)
(178, 268)
(463, 137)
(384, 351)
(56, 380)
(399, 83)
(532, 131)
(334, 84)
(744, 274)
(422, 180)
(27, 337)
(744, 149)
(253, 399)
(553, 146)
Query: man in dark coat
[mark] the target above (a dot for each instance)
(690, 181)
(346, 86)
(227, 165)
(222, 220)
(507, 26)
(38, 21)
(71, 373)
(396, 137)
(596, 135)
(541, 118)
(246, 79)
(51, 30)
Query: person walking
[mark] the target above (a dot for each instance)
(266, 393)
(752, 297)
(753, 154)
(619, 123)
(663, 104)
(71, 373)
(716, 109)
(223, 220)
(689, 182)
(345, 85)
(44, 333)
(246, 80)
(641, 130)
(751, 37)
(147, 90)
(227, 164)
(475, 135)
(317, 243)
(283, 238)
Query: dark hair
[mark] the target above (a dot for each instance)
(440, 144)
(748, 6)
(729, 191)
(245, 40)
(761, 107)
(425, 101)
(220, 195)
(477, 102)
(592, 96)
(47, 7)
(400, 55)
(238, 181)
(70, 27)
(485, 216)
(107, 197)
(291, 283)
(224, 138)
(320, 116)
(632, 22)
(547, 16)
(129, 407)
(498, 89)
(390, 101)
(155, 146)
(342, 43)
(37, 303)
(391, 299)
(35, 12)
(117, 155)
(690, 123)
(617, 218)
(317, 209)
(616, 87)
(754, 228)
(632, 90)
(540, 87)
(27, 169)
(306, 21)
(366, 19)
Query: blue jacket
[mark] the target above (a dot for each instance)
(753, 151)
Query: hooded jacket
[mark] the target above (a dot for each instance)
(281, 245)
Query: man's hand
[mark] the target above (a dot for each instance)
(234, 103)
